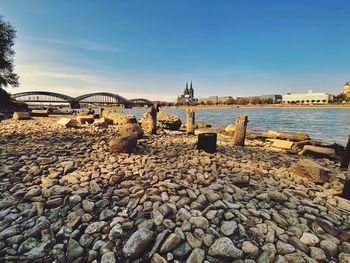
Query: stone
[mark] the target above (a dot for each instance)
(228, 227)
(157, 217)
(344, 258)
(167, 121)
(224, 247)
(74, 249)
(131, 129)
(27, 245)
(68, 123)
(21, 116)
(182, 250)
(311, 171)
(86, 240)
(197, 256)
(230, 129)
(40, 250)
(299, 137)
(101, 123)
(345, 247)
(267, 256)
(123, 144)
(318, 254)
(108, 257)
(329, 247)
(114, 117)
(158, 259)
(281, 144)
(137, 242)
(250, 249)
(295, 242)
(284, 248)
(309, 239)
(343, 203)
(94, 227)
(318, 151)
(200, 222)
(85, 119)
(116, 232)
(88, 206)
(170, 243)
(295, 258)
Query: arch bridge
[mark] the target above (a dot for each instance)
(91, 98)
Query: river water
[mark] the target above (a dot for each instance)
(327, 125)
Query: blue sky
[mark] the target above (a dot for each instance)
(151, 48)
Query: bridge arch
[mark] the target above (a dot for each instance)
(140, 101)
(102, 97)
(45, 96)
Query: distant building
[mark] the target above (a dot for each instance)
(307, 98)
(188, 94)
(347, 89)
(275, 98)
(216, 99)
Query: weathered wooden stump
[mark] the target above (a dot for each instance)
(346, 190)
(207, 142)
(346, 156)
(240, 130)
(100, 110)
(190, 113)
(152, 119)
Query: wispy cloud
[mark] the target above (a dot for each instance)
(80, 43)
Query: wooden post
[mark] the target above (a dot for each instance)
(100, 112)
(346, 190)
(207, 142)
(190, 121)
(346, 156)
(240, 129)
(152, 118)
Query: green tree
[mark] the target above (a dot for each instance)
(7, 36)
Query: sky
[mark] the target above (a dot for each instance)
(149, 49)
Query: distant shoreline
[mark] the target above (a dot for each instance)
(326, 106)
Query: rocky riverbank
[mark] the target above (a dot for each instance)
(66, 198)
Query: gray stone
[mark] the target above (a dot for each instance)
(294, 241)
(329, 247)
(250, 249)
(170, 243)
(344, 258)
(318, 254)
(108, 257)
(159, 240)
(157, 217)
(345, 247)
(197, 256)
(182, 215)
(137, 242)
(27, 245)
(200, 222)
(74, 249)
(193, 241)
(107, 214)
(228, 227)
(40, 250)
(182, 250)
(86, 240)
(267, 256)
(95, 227)
(284, 248)
(116, 232)
(88, 206)
(224, 247)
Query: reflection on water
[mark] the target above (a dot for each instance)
(328, 125)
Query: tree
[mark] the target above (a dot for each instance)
(7, 36)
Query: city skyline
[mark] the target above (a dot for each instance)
(148, 50)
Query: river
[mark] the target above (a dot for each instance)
(327, 125)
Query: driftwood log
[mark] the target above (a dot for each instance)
(190, 113)
(240, 130)
(207, 142)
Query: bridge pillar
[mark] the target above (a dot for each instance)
(74, 104)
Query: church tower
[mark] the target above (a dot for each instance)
(191, 91)
(186, 92)
(347, 89)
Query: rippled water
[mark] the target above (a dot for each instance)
(328, 125)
